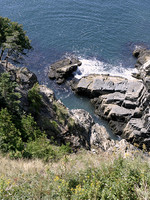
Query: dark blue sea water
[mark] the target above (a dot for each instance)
(102, 33)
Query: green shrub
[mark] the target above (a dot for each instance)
(35, 99)
(28, 141)
(61, 112)
(53, 126)
(39, 148)
(9, 96)
(114, 182)
(65, 149)
(10, 136)
(30, 130)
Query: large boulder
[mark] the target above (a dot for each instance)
(100, 138)
(63, 69)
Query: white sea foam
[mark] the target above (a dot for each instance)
(94, 66)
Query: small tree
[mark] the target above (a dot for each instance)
(10, 136)
(13, 40)
(30, 130)
(8, 93)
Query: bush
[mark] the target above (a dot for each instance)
(10, 136)
(65, 149)
(30, 130)
(39, 148)
(35, 99)
(19, 133)
(8, 95)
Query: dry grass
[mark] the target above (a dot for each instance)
(72, 163)
(33, 179)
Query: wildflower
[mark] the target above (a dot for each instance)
(56, 178)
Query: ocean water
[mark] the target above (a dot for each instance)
(101, 33)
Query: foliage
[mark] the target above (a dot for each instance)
(13, 39)
(121, 179)
(35, 99)
(7, 92)
(61, 112)
(19, 133)
(10, 137)
(39, 148)
(65, 149)
(29, 129)
(27, 140)
(16, 141)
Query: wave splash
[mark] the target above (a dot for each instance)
(94, 66)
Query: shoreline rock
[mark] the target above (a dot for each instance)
(125, 104)
(63, 69)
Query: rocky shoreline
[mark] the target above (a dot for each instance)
(125, 104)
(74, 126)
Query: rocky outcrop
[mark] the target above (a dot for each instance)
(23, 76)
(125, 104)
(63, 69)
(143, 65)
(64, 125)
(95, 85)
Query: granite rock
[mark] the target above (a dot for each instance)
(125, 104)
(63, 69)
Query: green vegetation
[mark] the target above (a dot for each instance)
(9, 97)
(13, 40)
(61, 112)
(10, 136)
(40, 148)
(20, 136)
(35, 99)
(34, 167)
(79, 176)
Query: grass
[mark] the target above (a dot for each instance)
(76, 176)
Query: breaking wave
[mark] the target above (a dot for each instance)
(94, 66)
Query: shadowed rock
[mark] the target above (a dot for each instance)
(63, 69)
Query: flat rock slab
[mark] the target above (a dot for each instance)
(63, 69)
(96, 85)
(113, 98)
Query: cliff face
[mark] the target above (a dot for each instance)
(64, 125)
